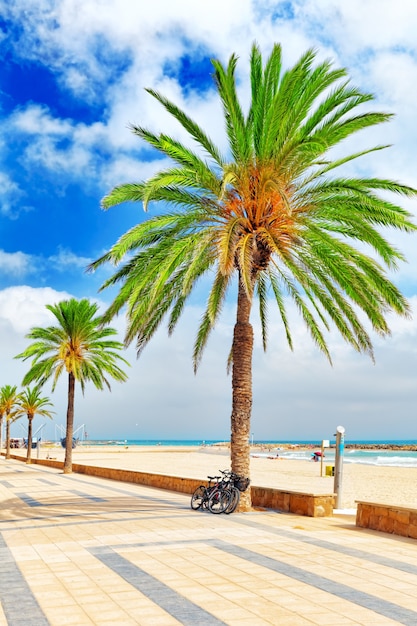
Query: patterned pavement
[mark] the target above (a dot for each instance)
(78, 550)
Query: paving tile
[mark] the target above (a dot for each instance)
(82, 551)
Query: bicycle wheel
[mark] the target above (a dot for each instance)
(219, 501)
(198, 497)
(234, 501)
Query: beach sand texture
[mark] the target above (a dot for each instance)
(396, 486)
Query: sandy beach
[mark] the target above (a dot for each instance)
(385, 485)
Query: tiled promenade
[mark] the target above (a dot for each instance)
(76, 550)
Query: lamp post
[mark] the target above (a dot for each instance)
(338, 467)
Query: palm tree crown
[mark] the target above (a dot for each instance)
(273, 214)
(8, 400)
(80, 346)
(30, 402)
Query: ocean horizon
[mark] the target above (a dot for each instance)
(379, 456)
(208, 442)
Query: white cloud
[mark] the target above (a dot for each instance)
(15, 263)
(358, 25)
(19, 265)
(398, 90)
(128, 169)
(36, 119)
(66, 259)
(60, 32)
(24, 307)
(58, 145)
(11, 196)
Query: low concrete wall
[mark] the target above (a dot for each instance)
(298, 503)
(388, 519)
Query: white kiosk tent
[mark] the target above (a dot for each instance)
(62, 435)
(35, 438)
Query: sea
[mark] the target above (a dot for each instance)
(298, 449)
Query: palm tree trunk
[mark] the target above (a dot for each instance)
(242, 393)
(29, 452)
(1, 431)
(69, 433)
(7, 437)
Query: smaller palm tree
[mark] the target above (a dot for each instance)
(31, 403)
(8, 401)
(1, 426)
(82, 347)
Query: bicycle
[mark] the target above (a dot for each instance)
(232, 486)
(202, 494)
(221, 497)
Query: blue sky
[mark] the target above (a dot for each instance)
(72, 79)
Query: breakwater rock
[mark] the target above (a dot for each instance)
(381, 446)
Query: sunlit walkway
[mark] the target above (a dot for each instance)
(76, 550)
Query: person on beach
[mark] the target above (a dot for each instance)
(316, 456)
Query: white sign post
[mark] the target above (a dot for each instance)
(324, 444)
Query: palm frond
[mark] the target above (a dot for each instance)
(244, 254)
(273, 277)
(261, 288)
(190, 126)
(235, 120)
(129, 192)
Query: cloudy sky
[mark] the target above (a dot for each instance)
(72, 79)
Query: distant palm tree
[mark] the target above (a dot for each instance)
(8, 401)
(31, 403)
(79, 346)
(1, 426)
(272, 219)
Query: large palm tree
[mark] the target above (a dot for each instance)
(30, 402)
(272, 215)
(79, 345)
(8, 401)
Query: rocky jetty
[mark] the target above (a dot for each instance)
(381, 446)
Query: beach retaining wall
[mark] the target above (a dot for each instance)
(308, 504)
(388, 519)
